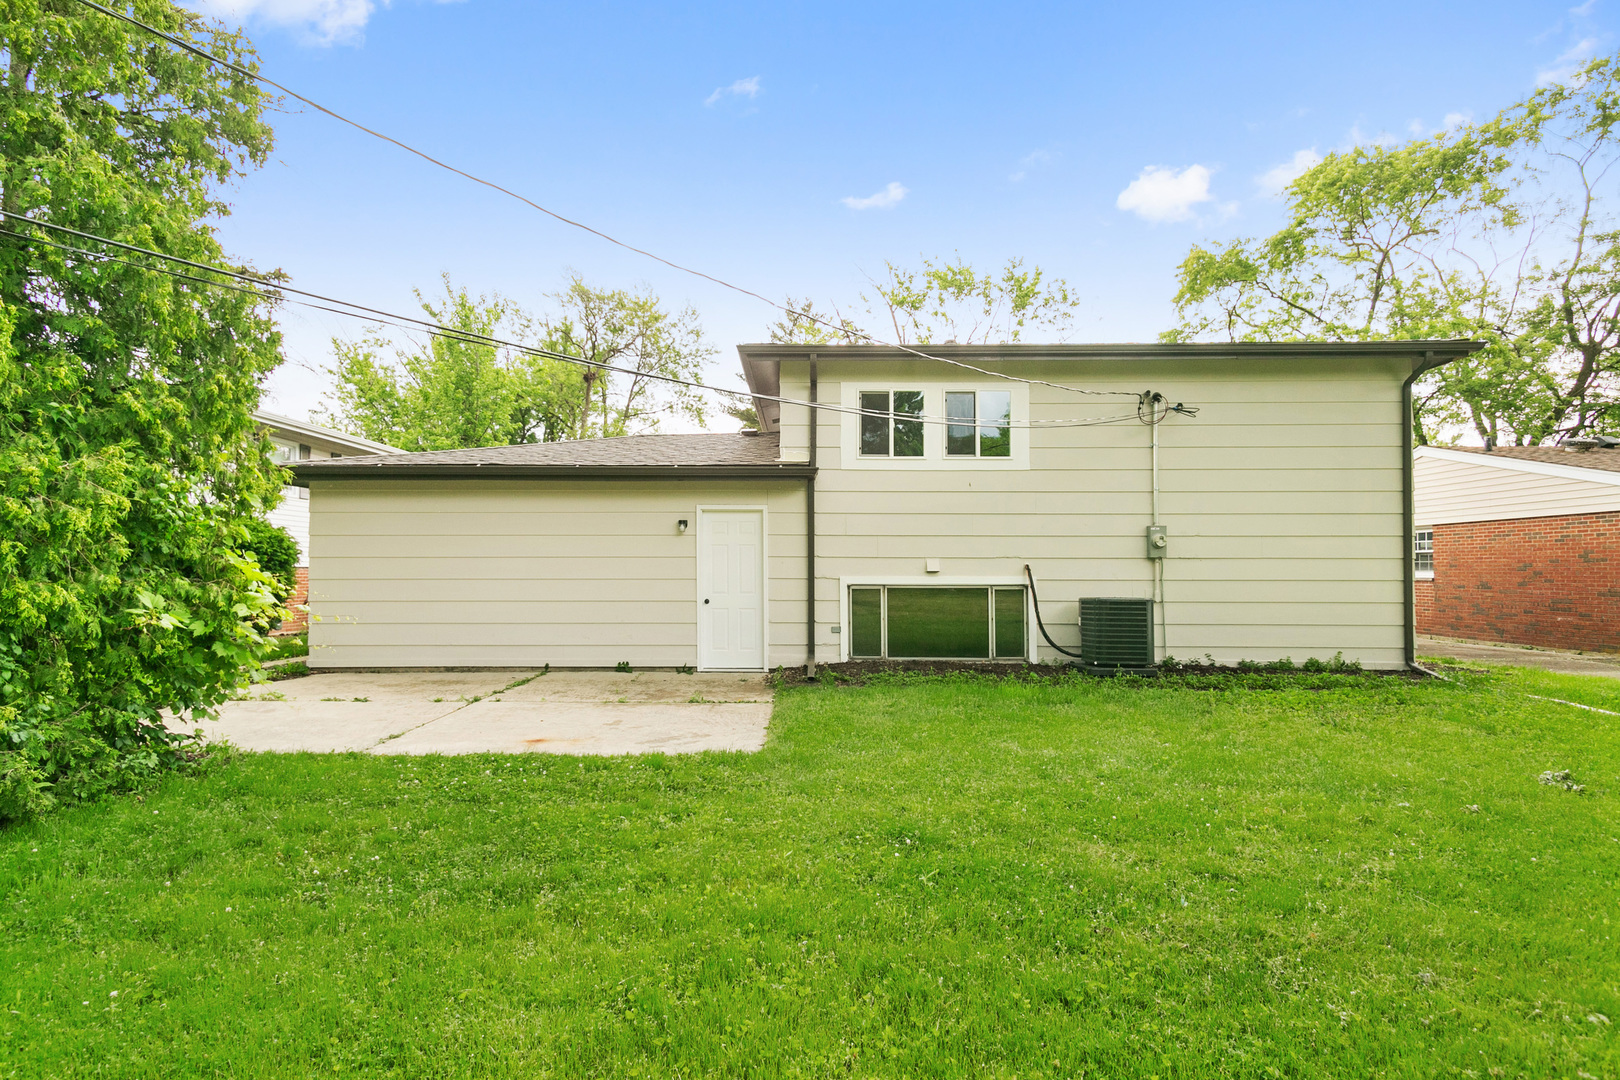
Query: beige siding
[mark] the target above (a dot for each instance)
(292, 514)
(1449, 491)
(520, 573)
(1283, 499)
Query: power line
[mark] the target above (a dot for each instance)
(256, 76)
(355, 310)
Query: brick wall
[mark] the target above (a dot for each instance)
(298, 604)
(1552, 581)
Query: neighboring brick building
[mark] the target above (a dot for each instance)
(1520, 544)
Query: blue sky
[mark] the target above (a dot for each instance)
(792, 147)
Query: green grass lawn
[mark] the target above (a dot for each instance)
(925, 878)
(291, 645)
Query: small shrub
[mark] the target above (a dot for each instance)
(276, 552)
(24, 791)
(622, 665)
(686, 669)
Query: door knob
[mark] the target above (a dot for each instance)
(705, 601)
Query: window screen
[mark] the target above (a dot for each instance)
(938, 624)
(866, 622)
(928, 622)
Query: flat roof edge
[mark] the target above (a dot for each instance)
(1449, 349)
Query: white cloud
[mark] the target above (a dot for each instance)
(1455, 120)
(1028, 162)
(324, 22)
(1274, 180)
(883, 200)
(1563, 69)
(1162, 194)
(1584, 10)
(748, 88)
(1357, 137)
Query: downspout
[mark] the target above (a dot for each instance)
(810, 537)
(1408, 511)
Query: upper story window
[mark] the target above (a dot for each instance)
(1423, 552)
(886, 430)
(282, 452)
(985, 428)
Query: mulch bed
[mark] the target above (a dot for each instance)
(860, 671)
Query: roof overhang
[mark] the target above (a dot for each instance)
(762, 361)
(1437, 352)
(323, 437)
(1512, 464)
(338, 470)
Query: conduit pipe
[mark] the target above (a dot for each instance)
(810, 537)
(1158, 564)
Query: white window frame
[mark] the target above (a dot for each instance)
(1418, 574)
(893, 418)
(935, 580)
(977, 424)
(934, 456)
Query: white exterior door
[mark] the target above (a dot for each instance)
(731, 589)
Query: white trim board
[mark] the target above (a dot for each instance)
(1542, 468)
(987, 581)
(934, 456)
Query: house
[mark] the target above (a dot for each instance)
(1520, 544)
(294, 441)
(1242, 501)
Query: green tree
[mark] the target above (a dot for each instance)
(951, 301)
(629, 330)
(448, 393)
(129, 463)
(1500, 231)
(452, 393)
(802, 324)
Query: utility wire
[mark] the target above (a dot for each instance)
(265, 79)
(271, 290)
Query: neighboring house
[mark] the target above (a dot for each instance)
(1519, 544)
(911, 507)
(295, 441)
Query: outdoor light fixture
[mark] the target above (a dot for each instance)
(680, 526)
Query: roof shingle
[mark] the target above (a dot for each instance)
(1606, 460)
(628, 451)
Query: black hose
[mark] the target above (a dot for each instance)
(1036, 599)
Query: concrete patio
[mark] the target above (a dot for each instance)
(1557, 660)
(470, 712)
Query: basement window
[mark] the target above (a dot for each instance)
(978, 423)
(937, 622)
(886, 427)
(1423, 554)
